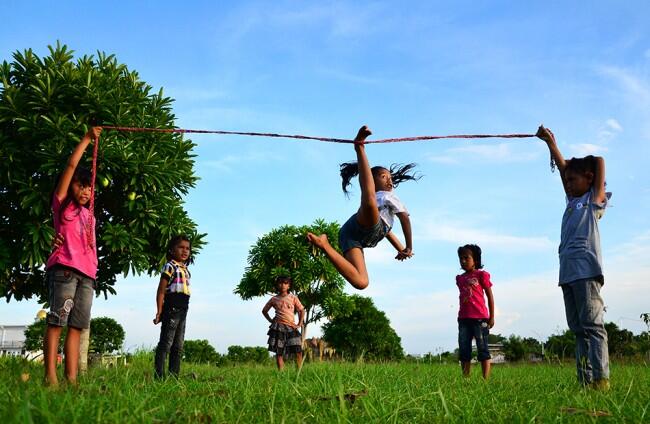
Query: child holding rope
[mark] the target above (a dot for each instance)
(284, 337)
(581, 274)
(72, 266)
(374, 219)
(172, 301)
(474, 318)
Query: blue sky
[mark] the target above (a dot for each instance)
(420, 68)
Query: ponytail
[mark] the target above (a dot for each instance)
(349, 170)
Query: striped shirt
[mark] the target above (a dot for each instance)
(178, 278)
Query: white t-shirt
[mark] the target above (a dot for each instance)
(389, 205)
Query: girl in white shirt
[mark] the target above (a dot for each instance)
(374, 219)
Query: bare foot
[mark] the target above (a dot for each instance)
(318, 241)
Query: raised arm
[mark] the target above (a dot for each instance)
(61, 189)
(599, 180)
(549, 138)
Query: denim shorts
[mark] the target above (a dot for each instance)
(352, 234)
(469, 329)
(70, 296)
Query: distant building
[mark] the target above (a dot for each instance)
(496, 352)
(12, 340)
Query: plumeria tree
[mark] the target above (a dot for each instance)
(286, 251)
(46, 105)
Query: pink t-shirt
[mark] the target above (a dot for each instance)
(78, 250)
(285, 308)
(472, 287)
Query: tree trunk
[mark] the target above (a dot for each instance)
(84, 341)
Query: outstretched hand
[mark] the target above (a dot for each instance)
(545, 134)
(404, 254)
(364, 132)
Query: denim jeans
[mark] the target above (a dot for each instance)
(478, 330)
(71, 297)
(584, 314)
(172, 335)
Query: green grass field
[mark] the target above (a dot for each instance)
(324, 393)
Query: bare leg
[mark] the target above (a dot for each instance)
(299, 360)
(486, 365)
(352, 266)
(466, 367)
(50, 351)
(71, 350)
(280, 361)
(368, 214)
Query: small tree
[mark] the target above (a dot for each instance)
(46, 105)
(200, 351)
(364, 330)
(561, 345)
(286, 251)
(243, 354)
(106, 335)
(34, 335)
(514, 348)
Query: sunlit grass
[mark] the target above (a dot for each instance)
(327, 392)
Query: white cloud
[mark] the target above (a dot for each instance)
(452, 232)
(584, 149)
(494, 153)
(636, 89)
(614, 125)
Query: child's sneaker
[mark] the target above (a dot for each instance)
(601, 385)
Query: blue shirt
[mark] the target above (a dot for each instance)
(579, 250)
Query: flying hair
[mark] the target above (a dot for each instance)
(399, 173)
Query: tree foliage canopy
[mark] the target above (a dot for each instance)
(200, 351)
(286, 251)
(106, 335)
(363, 330)
(46, 105)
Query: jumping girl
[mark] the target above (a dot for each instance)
(72, 266)
(284, 337)
(374, 219)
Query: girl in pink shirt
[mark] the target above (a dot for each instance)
(284, 337)
(474, 318)
(72, 266)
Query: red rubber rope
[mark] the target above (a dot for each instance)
(295, 136)
(306, 137)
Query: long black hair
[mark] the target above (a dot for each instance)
(475, 250)
(398, 172)
(172, 244)
(81, 175)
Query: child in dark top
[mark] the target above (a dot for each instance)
(172, 301)
(474, 318)
(581, 270)
(284, 337)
